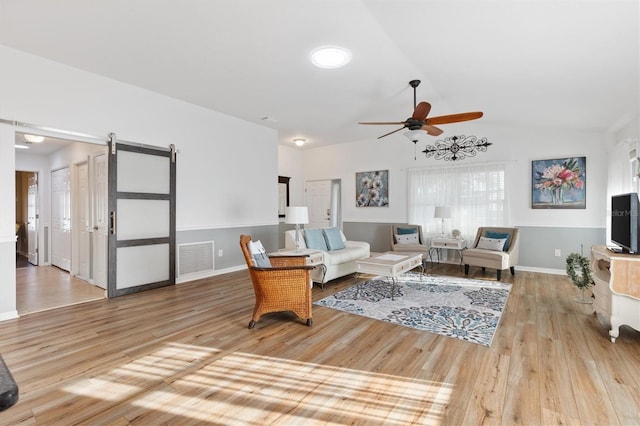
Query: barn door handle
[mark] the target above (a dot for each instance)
(112, 225)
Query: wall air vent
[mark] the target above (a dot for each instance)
(195, 258)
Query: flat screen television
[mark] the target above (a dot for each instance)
(625, 222)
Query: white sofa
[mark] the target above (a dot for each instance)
(338, 263)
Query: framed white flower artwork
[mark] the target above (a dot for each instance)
(372, 189)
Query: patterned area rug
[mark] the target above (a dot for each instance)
(462, 308)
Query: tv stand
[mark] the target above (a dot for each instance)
(617, 288)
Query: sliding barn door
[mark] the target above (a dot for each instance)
(142, 205)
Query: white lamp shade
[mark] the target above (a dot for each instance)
(297, 215)
(442, 212)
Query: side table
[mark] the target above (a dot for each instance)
(438, 244)
(312, 258)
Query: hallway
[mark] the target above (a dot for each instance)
(39, 288)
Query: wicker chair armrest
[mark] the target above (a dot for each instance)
(278, 261)
(284, 268)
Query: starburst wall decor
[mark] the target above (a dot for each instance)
(455, 148)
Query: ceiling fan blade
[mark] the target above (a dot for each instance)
(390, 133)
(386, 123)
(454, 118)
(432, 130)
(421, 111)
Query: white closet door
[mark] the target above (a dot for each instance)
(100, 224)
(141, 218)
(61, 218)
(82, 222)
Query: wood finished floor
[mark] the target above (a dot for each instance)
(39, 288)
(184, 355)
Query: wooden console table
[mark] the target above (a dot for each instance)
(617, 288)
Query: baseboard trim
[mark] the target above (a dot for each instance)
(194, 277)
(541, 270)
(4, 316)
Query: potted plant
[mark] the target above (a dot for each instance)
(579, 263)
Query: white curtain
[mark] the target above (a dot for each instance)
(475, 193)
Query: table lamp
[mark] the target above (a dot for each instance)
(298, 215)
(442, 213)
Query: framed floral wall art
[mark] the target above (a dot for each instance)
(559, 184)
(372, 189)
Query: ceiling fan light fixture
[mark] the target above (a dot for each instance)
(413, 135)
(299, 141)
(330, 57)
(33, 138)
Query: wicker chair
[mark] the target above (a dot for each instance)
(285, 286)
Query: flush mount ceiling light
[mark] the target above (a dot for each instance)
(457, 148)
(330, 57)
(33, 138)
(299, 141)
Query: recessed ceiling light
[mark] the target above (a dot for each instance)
(21, 146)
(299, 141)
(330, 57)
(34, 138)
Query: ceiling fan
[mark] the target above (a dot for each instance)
(419, 120)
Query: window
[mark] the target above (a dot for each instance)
(475, 193)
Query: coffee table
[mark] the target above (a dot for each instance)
(389, 264)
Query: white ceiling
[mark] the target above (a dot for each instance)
(546, 63)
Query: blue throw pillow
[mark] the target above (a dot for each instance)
(315, 239)
(499, 235)
(405, 231)
(333, 238)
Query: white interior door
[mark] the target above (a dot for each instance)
(142, 201)
(82, 222)
(61, 218)
(32, 219)
(99, 230)
(318, 199)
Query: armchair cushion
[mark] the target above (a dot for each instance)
(314, 239)
(496, 244)
(505, 235)
(405, 231)
(333, 238)
(407, 238)
(259, 254)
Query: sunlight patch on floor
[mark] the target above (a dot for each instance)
(201, 384)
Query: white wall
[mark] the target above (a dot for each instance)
(227, 168)
(290, 163)
(515, 145)
(221, 158)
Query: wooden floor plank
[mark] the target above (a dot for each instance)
(184, 355)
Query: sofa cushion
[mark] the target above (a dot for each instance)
(407, 238)
(333, 238)
(496, 244)
(499, 235)
(314, 238)
(259, 254)
(338, 257)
